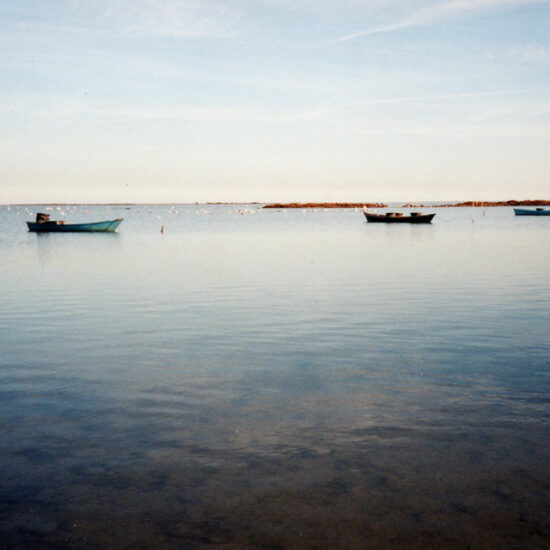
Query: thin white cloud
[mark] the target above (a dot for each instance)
(454, 96)
(182, 19)
(531, 54)
(457, 130)
(218, 114)
(434, 12)
(68, 105)
(403, 24)
(526, 111)
(164, 18)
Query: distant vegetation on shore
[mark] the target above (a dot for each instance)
(527, 202)
(325, 205)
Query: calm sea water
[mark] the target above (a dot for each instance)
(274, 379)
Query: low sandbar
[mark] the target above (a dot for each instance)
(526, 202)
(513, 202)
(325, 205)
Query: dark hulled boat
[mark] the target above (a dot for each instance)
(398, 217)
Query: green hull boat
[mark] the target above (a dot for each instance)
(44, 225)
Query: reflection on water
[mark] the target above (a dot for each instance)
(254, 379)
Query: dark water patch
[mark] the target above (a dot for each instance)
(295, 503)
(40, 455)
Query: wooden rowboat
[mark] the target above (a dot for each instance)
(398, 217)
(44, 225)
(536, 212)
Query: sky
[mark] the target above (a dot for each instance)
(274, 100)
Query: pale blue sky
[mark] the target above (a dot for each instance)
(263, 100)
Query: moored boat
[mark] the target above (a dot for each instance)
(44, 225)
(536, 212)
(398, 217)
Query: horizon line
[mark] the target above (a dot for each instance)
(222, 203)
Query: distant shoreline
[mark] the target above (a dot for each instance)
(193, 203)
(278, 205)
(526, 202)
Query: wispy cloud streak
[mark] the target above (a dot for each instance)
(435, 12)
(455, 96)
(131, 18)
(219, 114)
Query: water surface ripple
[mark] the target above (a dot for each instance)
(274, 379)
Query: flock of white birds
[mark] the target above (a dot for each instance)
(171, 210)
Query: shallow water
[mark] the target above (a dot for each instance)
(274, 379)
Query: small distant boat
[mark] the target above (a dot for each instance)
(44, 225)
(536, 212)
(398, 217)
